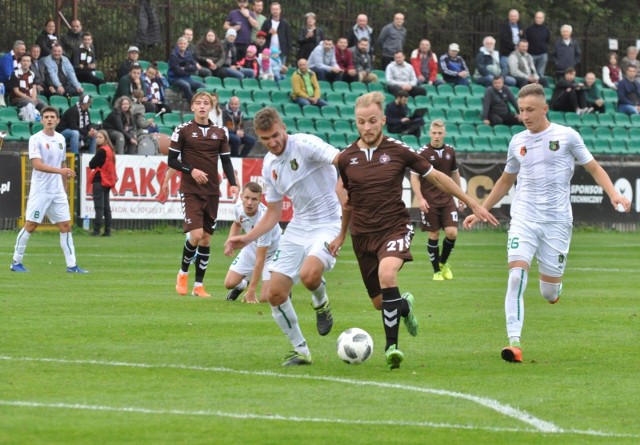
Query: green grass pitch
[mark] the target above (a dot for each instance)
(116, 356)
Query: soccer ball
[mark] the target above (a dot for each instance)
(354, 346)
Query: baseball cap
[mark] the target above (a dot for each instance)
(454, 47)
(252, 49)
(133, 48)
(261, 34)
(231, 32)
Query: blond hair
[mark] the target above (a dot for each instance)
(375, 97)
(200, 94)
(439, 123)
(266, 118)
(532, 89)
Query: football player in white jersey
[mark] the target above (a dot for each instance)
(542, 159)
(301, 167)
(48, 195)
(251, 260)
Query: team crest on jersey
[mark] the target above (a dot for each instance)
(46, 146)
(523, 150)
(353, 161)
(294, 165)
(60, 146)
(194, 134)
(384, 158)
(274, 175)
(554, 145)
(447, 156)
(214, 136)
(561, 258)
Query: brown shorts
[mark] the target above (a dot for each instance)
(370, 248)
(200, 212)
(440, 217)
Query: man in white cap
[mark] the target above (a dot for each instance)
(133, 54)
(453, 67)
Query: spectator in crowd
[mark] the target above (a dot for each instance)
(38, 68)
(425, 64)
(261, 41)
(84, 61)
(72, 40)
(154, 84)
(61, 78)
(510, 34)
(569, 95)
(401, 76)
(611, 72)
(309, 37)
(272, 64)
(243, 21)
(278, 31)
(215, 115)
(10, 61)
(363, 61)
(181, 66)
(258, 7)
(630, 59)
(75, 125)
(202, 71)
(21, 86)
(391, 39)
(522, 68)
(232, 69)
(323, 61)
(488, 64)
(453, 67)
(138, 111)
(629, 92)
(133, 54)
(210, 54)
(566, 53)
(305, 89)
(128, 84)
(361, 30)
(47, 38)
(399, 119)
(539, 37)
(121, 127)
(495, 104)
(344, 57)
(234, 122)
(594, 95)
(103, 178)
(250, 62)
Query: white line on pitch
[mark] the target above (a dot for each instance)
(506, 410)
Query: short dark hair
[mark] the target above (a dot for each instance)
(49, 109)
(402, 93)
(570, 70)
(253, 187)
(25, 55)
(135, 66)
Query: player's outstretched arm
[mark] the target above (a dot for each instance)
(266, 223)
(500, 189)
(415, 186)
(446, 184)
(603, 180)
(234, 230)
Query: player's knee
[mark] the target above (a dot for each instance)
(388, 278)
(516, 277)
(310, 278)
(550, 291)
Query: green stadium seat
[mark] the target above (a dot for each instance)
(59, 102)
(500, 143)
(472, 115)
(483, 144)
(502, 130)
(36, 127)
(376, 86)
(358, 87)
(213, 81)
(485, 130)
(163, 67)
(446, 89)
(90, 89)
(589, 119)
(556, 117)
(342, 126)
(244, 95)
(601, 146)
(331, 112)
(100, 103)
(108, 89)
(197, 78)
(606, 120)
(312, 112)
(280, 97)
(586, 131)
(478, 90)
(634, 134)
(4, 127)
(171, 119)
(305, 125)
(252, 109)
(9, 114)
(20, 131)
(572, 119)
(437, 113)
(381, 75)
(324, 125)
(250, 84)
(290, 123)
(144, 64)
(603, 133)
(95, 116)
(334, 97)
(325, 86)
(475, 103)
(350, 98)
(515, 129)
(454, 116)
(285, 85)
(411, 140)
(186, 117)
(232, 83)
(347, 113)
(462, 90)
(422, 102)
(622, 120)
(620, 133)
(619, 147)
(341, 85)
(269, 85)
(463, 143)
(458, 102)
(440, 102)
(224, 95)
(165, 129)
(338, 140)
(262, 97)
(292, 110)
(99, 74)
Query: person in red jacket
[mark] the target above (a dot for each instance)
(344, 57)
(103, 178)
(425, 64)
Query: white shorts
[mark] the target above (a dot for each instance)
(55, 206)
(298, 243)
(245, 262)
(549, 242)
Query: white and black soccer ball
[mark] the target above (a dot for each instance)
(354, 346)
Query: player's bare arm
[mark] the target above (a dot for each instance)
(446, 184)
(336, 244)
(500, 189)
(266, 223)
(456, 178)
(167, 177)
(41, 166)
(423, 205)
(603, 180)
(234, 230)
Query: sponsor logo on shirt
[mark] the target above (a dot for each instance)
(294, 165)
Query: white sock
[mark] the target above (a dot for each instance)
(514, 301)
(286, 317)
(197, 284)
(319, 296)
(66, 242)
(550, 291)
(242, 285)
(21, 245)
